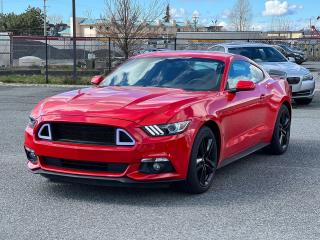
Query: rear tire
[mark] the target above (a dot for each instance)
(303, 101)
(202, 163)
(281, 134)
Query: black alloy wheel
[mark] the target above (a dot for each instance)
(206, 162)
(281, 134)
(284, 129)
(203, 162)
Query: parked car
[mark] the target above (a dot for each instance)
(163, 117)
(300, 78)
(148, 50)
(298, 56)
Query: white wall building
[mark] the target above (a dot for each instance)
(4, 49)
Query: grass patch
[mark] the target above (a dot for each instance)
(40, 79)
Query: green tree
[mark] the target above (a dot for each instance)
(167, 17)
(29, 22)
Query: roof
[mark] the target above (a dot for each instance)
(243, 44)
(66, 31)
(192, 54)
(90, 21)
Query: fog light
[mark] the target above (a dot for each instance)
(155, 166)
(31, 156)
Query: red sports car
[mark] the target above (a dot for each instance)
(165, 117)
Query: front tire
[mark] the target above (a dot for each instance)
(303, 101)
(203, 162)
(281, 134)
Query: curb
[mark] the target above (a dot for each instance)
(42, 85)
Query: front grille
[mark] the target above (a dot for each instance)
(85, 165)
(302, 93)
(83, 133)
(293, 80)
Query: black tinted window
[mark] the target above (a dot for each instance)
(217, 49)
(259, 54)
(185, 73)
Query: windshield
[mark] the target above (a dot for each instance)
(286, 48)
(259, 54)
(185, 73)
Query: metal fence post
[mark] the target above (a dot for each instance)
(175, 44)
(11, 50)
(47, 73)
(109, 55)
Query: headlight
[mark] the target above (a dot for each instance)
(308, 77)
(167, 129)
(32, 122)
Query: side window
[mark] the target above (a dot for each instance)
(218, 49)
(221, 49)
(256, 74)
(242, 70)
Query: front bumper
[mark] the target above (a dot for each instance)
(175, 148)
(102, 181)
(304, 89)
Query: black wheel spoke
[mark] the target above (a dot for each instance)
(206, 166)
(209, 169)
(199, 167)
(209, 147)
(203, 176)
(210, 163)
(202, 150)
(284, 129)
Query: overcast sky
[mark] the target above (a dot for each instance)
(299, 12)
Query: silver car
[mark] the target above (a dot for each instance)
(274, 62)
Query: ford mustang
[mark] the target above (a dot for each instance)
(160, 118)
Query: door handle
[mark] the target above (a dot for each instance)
(262, 96)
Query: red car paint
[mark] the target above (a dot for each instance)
(245, 119)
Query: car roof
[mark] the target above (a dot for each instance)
(243, 44)
(193, 54)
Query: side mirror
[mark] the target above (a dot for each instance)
(96, 80)
(244, 85)
(291, 59)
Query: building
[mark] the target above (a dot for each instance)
(5, 50)
(286, 34)
(96, 28)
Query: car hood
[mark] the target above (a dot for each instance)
(292, 69)
(129, 103)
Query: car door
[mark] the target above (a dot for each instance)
(244, 112)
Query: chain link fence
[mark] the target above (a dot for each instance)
(53, 56)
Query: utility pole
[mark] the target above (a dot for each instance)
(46, 38)
(74, 40)
(195, 22)
(1, 6)
(45, 18)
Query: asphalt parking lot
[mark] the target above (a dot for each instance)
(259, 197)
